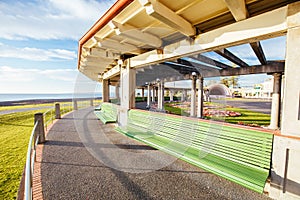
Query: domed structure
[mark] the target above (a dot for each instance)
(218, 90)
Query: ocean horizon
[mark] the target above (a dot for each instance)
(20, 97)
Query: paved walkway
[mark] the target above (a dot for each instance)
(84, 159)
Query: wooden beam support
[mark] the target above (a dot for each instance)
(259, 52)
(210, 61)
(271, 67)
(260, 27)
(167, 16)
(237, 8)
(95, 59)
(135, 34)
(116, 45)
(104, 54)
(115, 71)
(231, 57)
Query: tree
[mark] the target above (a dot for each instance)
(232, 81)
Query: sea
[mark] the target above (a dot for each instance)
(19, 97)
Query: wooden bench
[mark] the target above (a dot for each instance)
(107, 113)
(240, 154)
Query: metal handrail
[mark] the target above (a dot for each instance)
(30, 163)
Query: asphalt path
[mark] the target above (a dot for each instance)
(78, 163)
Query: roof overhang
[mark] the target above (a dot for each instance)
(152, 32)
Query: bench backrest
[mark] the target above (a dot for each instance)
(109, 109)
(243, 145)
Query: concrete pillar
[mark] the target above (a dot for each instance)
(285, 176)
(143, 94)
(91, 102)
(75, 105)
(105, 91)
(193, 96)
(171, 94)
(275, 109)
(200, 97)
(158, 93)
(57, 111)
(148, 95)
(39, 131)
(128, 84)
(162, 95)
(153, 93)
(117, 91)
(182, 96)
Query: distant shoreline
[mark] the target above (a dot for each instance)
(39, 101)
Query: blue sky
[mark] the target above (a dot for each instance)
(39, 41)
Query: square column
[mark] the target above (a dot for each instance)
(285, 177)
(148, 95)
(153, 93)
(105, 90)
(275, 110)
(171, 94)
(193, 95)
(127, 98)
(143, 94)
(117, 91)
(200, 97)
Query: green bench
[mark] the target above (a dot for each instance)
(242, 155)
(107, 112)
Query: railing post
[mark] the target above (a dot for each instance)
(75, 107)
(57, 111)
(39, 131)
(91, 102)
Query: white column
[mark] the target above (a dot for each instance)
(143, 94)
(285, 177)
(158, 93)
(128, 82)
(275, 110)
(105, 91)
(193, 97)
(171, 94)
(162, 94)
(117, 91)
(200, 98)
(153, 93)
(148, 95)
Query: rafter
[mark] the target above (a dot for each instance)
(135, 34)
(168, 17)
(259, 52)
(231, 57)
(104, 54)
(237, 8)
(116, 45)
(96, 59)
(210, 61)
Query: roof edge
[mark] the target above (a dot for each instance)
(108, 16)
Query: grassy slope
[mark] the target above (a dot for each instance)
(15, 130)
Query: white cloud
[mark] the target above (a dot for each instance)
(36, 54)
(49, 19)
(10, 74)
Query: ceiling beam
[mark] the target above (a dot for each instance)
(256, 46)
(209, 61)
(116, 45)
(231, 57)
(238, 9)
(104, 54)
(135, 34)
(96, 59)
(274, 23)
(167, 16)
(270, 67)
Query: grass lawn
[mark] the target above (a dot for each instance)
(247, 117)
(15, 130)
